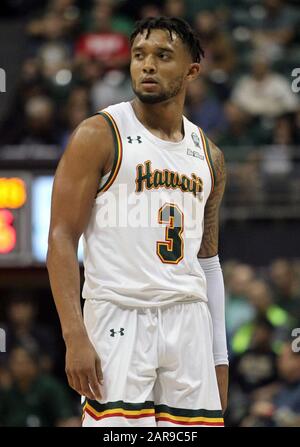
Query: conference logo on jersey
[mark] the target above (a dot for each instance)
(196, 140)
(194, 154)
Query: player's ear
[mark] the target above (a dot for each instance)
(193, 72)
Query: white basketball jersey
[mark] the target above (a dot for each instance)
(146, 226)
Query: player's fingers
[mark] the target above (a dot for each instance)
(70, 379)
(99, 372)
(74, 382)
(84, 386)
(94, 384)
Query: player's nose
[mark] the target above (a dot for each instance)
(149, 65)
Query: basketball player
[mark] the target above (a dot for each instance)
(150, 349)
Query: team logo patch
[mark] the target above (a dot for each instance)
(196, 139)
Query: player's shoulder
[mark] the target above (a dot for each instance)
(216, 153)
(93, 131)
(115, 108)
(218, 165)
(93, 125)
(98, 122)
(113, 118)
(116, 112)
(92, 139)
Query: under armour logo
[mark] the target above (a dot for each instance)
(113, 332)
(138, 139)
(194, 154)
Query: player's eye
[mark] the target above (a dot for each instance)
(138, 56)
(164, 56)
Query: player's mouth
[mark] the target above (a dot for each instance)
(149, 82)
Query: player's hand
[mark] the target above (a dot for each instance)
(83, 368)
(222, 378)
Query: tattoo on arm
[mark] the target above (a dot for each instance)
(209, 246)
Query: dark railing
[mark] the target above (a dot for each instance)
(262, 183)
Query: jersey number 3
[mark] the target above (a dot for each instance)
(171, 250)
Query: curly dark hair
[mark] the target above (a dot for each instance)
(173, 25)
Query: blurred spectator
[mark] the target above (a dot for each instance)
(238, 310)
(277, 162)
(31, 79)
(76, 110)
(58, 21)
(149, 10)
(55, 62)
(104, 43)
(50, 28)
(297, 126)
(33, 399)
(264, 92)
(175, 8)
(114, 87)
(51, 46)
(31, 84)
(275, 29)
(245, 182)
(39, 125)
(285, 286)
(220, 57)
(79, 97)
(89, 73)
(5, 378)
(217, 6)
(204, 109)
(23, 329)
(256, 367)
(279, 406)
(102, 10)
(260, 299)
(237, 131)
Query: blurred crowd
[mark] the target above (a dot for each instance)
(32, 393)
(263, 315)
(77, 62)
(262, 312)
(78, 56)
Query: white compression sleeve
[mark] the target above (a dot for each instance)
(216, 305)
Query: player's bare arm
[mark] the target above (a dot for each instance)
(87, 158)
(209, 246)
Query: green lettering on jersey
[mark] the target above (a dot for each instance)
(154, 179)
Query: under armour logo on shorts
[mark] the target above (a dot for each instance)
(113, 332)
(131, 140)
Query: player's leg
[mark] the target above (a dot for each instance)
(186, 390)
(125, 342)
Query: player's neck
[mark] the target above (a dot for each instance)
(163, 119)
